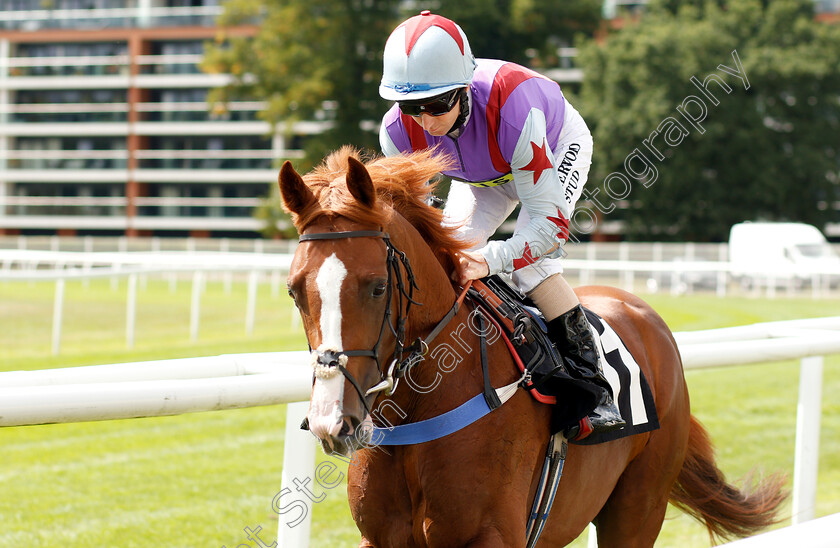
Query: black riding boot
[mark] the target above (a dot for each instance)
(572, 335)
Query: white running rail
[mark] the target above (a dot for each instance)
(170, 387)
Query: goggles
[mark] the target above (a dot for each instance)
(435, 106)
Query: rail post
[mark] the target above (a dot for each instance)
(298, 464)
(251, 307)
(806, 463)
(58, 312)
(195, 304)
(131, 311)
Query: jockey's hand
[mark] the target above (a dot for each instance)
(470, 266)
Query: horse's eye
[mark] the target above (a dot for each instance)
(291, 293)
(379, 289)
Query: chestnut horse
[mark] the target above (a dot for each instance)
(370, 275)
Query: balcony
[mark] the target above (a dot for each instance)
(78, 166)
(211, 159)
(51, 113)
(200, 111)
(109, 213)
(109, 18)
(154, 166)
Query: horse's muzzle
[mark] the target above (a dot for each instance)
(346, 436)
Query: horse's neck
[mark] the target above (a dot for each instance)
(451, 372)
(434, 289)
(446, 361)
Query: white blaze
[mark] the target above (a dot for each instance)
(325, 408)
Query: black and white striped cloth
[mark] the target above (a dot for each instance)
(630, 388)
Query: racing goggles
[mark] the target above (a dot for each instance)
(434, 106)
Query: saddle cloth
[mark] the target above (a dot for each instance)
(630, 387)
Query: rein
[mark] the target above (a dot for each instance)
(328, 362)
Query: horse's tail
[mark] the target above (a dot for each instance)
(702, 492)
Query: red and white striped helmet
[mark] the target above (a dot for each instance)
(425, 56)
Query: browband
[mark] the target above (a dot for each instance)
(339, 235)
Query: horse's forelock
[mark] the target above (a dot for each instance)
(402, 185)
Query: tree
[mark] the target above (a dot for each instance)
(523, 31)
(275, 222)
(310, 60)
(706, 115)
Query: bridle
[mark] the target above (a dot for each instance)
(331, 360)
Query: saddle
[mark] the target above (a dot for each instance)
(545, 374)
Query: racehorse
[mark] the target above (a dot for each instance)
(371, 275)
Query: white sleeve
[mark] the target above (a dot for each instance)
(386, 144)
(541, 195)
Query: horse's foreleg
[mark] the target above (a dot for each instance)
(365, 543)
(492, 538)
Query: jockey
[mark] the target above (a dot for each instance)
(515, 140)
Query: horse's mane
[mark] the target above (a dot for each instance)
(402, 183)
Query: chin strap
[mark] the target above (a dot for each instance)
(463, 114)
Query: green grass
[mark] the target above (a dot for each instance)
(93, 327)
(198, 480)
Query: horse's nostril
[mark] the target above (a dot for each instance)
(349, 425)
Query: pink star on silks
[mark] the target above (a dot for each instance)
(562, 223)
(526, 258)
(539, 162)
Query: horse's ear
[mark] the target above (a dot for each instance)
(359, 182)
(296, 195)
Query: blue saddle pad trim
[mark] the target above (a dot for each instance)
(434, 428)
(537, 315)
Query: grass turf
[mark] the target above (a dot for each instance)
(199, 480)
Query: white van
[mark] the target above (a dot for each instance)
(781, 254)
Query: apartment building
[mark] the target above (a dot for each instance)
(105, 128)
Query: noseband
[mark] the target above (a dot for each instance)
(330, 361)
